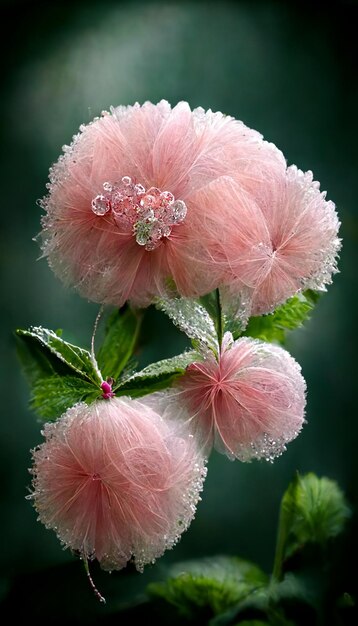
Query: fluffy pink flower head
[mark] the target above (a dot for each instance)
(249, 403)
(292, 247)
(140, 197)
(116, 482)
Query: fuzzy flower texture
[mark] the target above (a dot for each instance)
(149, 194)
(116, 482)
(249, 401)
(146, 197)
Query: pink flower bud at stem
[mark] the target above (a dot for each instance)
(106, 387)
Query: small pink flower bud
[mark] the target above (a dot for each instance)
(106, 387)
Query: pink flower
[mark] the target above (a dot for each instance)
(294, 247)
(249, 403)
(116, 482)
(142, 195)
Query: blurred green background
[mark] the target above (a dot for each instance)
(287, 69)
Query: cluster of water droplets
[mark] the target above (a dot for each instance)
(150, 213)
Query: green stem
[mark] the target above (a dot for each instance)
(287, 513)
(280, 546)
(220, 329)
(93, 356)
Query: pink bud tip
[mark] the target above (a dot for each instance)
(107, 390)
(106, 387)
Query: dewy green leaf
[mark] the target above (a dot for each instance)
(51, 354)
(119, 342)
(191, 318)
(320, 509)
(290, 315)
(214, 584)
(156, 376)
(312, 511)
(212, 304)
(53, 395)
(37, 362)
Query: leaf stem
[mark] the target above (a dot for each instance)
(219, 318)
(282, 534)
(95, 330)
(90, 579)
(287, 512)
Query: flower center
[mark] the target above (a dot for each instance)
(150, 213)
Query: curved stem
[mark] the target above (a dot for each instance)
(93, 355)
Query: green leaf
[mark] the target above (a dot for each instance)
(49, 353)
(53, 395)
(252, 622)
(120, 339)
(319, 509)
(212, 304)
(191, 318)
(37, 362)
(156, 376)
(313, 510)
(290, 315)
(214, 583)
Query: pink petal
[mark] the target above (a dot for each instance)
(251, 400)
(115, 481)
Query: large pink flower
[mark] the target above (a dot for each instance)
(145, 194)
(249, 402)
(116, 482)
(294, 247)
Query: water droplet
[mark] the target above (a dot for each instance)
(147, 201)
(100, 205)
(139, 189)
(166, 197)
(178, 210)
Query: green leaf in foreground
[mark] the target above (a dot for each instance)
(50, 354)
(156, 376)
(59, 373)
(313, 510)
(213, 584)
(290, 315)
(120, 339)
(53, 395)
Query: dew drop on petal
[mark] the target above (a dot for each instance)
(100, 205)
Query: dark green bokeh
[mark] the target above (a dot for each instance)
(286, 69)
